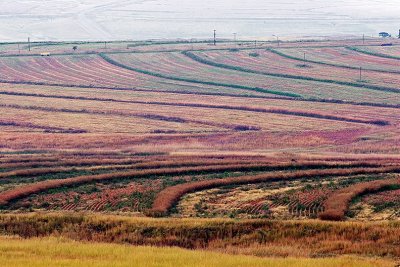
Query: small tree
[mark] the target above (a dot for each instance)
(75, 48)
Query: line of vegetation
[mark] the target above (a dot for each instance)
(338, 203)
(167, 198)
(164, 76)
(376, 54)
(289, 76)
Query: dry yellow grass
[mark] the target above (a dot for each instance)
(15, 252)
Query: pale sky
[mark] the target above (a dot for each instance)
(157, 19)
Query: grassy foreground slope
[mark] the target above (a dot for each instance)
(62, 252)
(262, 238)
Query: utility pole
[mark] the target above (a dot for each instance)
(29, 44)
(255, 44)
(234, 38)
(277, 38)
(215, 37)
(105, 44)
(19, 49)
(363, 38)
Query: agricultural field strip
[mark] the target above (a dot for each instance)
(31, 75)
(271, 110)
(303, 198)
(192, 70)
(80, 74)
(41, 127)
(169, 196)
(343, 57)
(7, 196)
(45, 92)
(68, 77)
(271, 63)
(224, 83)
(56, 71)
(256, 200)
(248, 69)
(55, 167)
(338, 202)
(375, 51)
(164, 118)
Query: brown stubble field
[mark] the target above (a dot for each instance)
(158, 130)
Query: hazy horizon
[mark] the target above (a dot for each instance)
(165, 19)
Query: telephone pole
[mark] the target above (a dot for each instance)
(234, 38)
(277, 38)
(29, 44)
(363, 38)
(215, 37)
